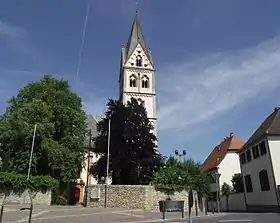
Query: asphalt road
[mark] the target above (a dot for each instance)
(236, 218)
(242, 217)
(88, 215)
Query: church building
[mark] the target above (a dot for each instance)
(137, 72)
(136, 80)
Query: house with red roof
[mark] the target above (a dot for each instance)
(224, 161)
(260, 166)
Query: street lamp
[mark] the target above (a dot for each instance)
(88, 165)
(31, 152)
(216, 177)
(180, 153)
(108, 151)
(108, 161)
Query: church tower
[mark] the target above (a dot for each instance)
(137, 72)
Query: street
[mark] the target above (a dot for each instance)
(60, 214)
(242, 217)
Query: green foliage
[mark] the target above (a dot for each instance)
(237, 183)
(19, 182)
(226, 189)
(61, 128)
(133, 155)
(61, 201)
(177, 176)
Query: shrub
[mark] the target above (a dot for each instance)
(176, 176)
(60, 200)
(18, 182)
(226, 189)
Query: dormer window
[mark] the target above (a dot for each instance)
(132, 81)
(138, 61)
(145, 82)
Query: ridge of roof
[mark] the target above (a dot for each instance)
(219, 152)
(270, 126)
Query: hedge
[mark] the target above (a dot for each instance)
(19, 182)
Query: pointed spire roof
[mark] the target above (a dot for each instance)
(136, 37)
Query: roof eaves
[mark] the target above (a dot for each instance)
(272, 121)
(246, 145)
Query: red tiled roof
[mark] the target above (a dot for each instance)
(219, 152)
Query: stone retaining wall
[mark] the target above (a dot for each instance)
(37, 198)
(135, 197)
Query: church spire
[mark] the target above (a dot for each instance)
(136, 36)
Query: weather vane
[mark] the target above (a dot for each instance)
(136, 5)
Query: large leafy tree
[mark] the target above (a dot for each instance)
(133, 154)
(60, 119)
(176, 175)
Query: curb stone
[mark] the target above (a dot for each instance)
(171, 220)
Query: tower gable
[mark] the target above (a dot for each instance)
(139, 59)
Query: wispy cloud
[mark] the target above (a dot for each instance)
(19, 39)
(11, 32)
(16, 36)
(201, 90)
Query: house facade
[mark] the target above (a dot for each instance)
(223, 161)
(86, 179)
(260, 166)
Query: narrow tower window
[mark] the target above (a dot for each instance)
(138, 61)
(145, 82)
(132, 81)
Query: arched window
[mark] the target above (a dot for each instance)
(145, 82)
(138, 61)
(132, 81)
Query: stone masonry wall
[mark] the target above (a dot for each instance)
(37, 198)
(135, 197)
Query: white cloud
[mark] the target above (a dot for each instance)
(201, 90)
(10, 31)
(18, 39)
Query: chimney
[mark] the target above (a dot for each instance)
(231, 134)
(276, 109)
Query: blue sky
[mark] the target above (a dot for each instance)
(218, 62)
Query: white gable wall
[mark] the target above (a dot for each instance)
(258, 197)
(274, 147)
(228, 167)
